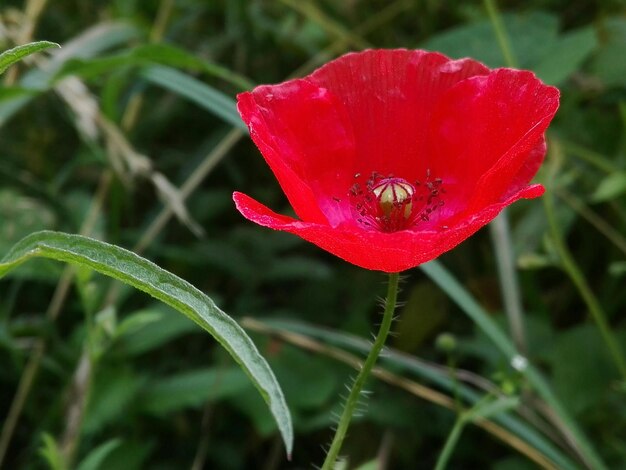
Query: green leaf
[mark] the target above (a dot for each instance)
(146, 276)
(610, 187)
(51, 453)
(149, 329)
(534, 39)
(493, 407)
(114, 390)
(423, 313)
(566, 55)
(17, 221)
(513, 462)
(151, 54)
(529, 33)
(96, 457)
(8, 58)
(617, 268)
(192, 389)
(90, 42)
(608, 63)
(193, 89)
(130, 455)
(294, 368)
(466, 302)
(11, 92)
(371, 465)
(444, 279)
(581, 379)
(425, 371)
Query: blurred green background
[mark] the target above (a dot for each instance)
(129, 134)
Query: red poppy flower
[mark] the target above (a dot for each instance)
(389, 158)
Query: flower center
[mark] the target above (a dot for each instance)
(394, 197)
(390, 204)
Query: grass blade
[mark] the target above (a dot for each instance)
(152, 54)
(466, 302)
(146, 276)
(8, 58)
(426, 372)
(196, 91)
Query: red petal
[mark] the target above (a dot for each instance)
(389, 97)
(388, 252)
(302, 136)
(529, 168)
(486, 135)
(398, 112)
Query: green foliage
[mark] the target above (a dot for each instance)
(51, 453)
(88, 131)
(191, 389)
(146, 330)
(579, 378)
(10, 57)
(196, 91)
(537, 44)
(610, 187)
(95, 459)
(140, 273)
(608, 64)
(146, 55)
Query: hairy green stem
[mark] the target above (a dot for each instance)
(357, 387)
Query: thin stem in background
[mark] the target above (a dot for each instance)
(213, 158)
(567, 259)
(164, 13)
(341, 44)
(54, 309)
(595, 159)
(451, 442)
(414, 388)
(189, 186)
(34, 9)
(500, 30)
(357, 387)
(466, 302)
(500, 228)
(559, 418)
(311, 11)
(82, 381)
(601, 225)
(32, 13)
(83, 375)
(384, 450)
(576, 275)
